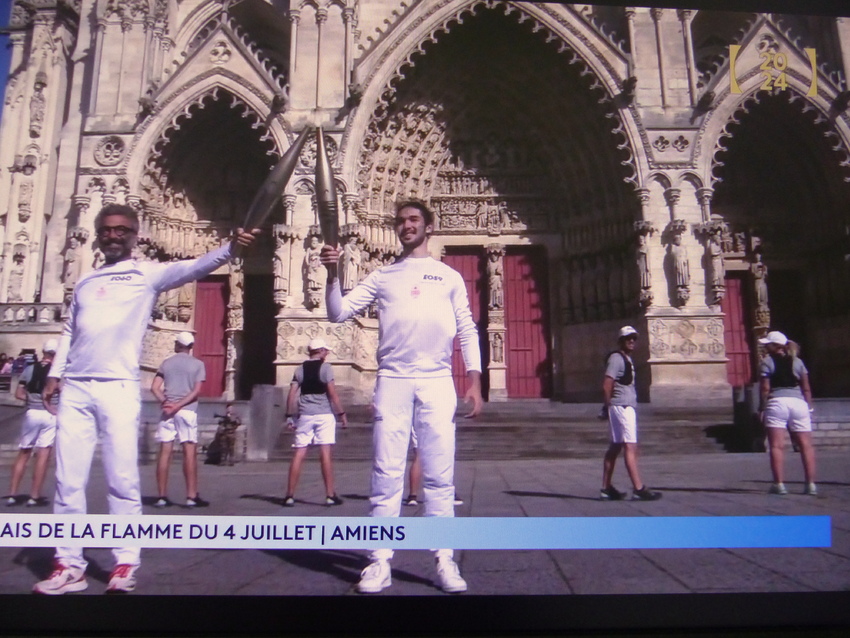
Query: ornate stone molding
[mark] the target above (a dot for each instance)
(687, 339)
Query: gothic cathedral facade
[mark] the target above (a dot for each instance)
(682, 171)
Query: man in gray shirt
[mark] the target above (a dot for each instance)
(316, 421)
(620, 404)
(177, 386)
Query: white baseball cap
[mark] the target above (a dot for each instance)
(185, 339)
(317, 344)
(625, 331)
(50, 345)
(774, 337)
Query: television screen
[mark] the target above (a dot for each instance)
(585, 321)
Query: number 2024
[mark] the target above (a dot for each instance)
(773, 62)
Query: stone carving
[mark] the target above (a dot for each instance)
(185, 302)
(762, 311)
(73, 263)
(644, 271)
(220, 53)
(497, 348)
(283, 238)
(350, 267)
(16, 280)
(693, 339)
(37, 104)
(109, 151)
(717, 269)
(679, 269)
(313, 276)
(495, 275)
(236, 284)
(25, 200)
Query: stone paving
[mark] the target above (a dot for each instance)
(693, 485)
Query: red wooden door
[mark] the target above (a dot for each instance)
(528, 360)
(469, 264)
(736, 334)
(210, 320)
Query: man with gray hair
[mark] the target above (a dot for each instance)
(98, 362)
(177, 386)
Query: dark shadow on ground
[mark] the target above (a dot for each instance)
(550, 495)
(344, 566)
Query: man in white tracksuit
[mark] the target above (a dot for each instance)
(98, 361)
(422, 305)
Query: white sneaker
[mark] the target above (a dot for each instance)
(811, 489)
(122, 580)
(449, 573)
(62, 581)
(778, 488)
(375, 577)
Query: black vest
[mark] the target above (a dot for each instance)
(783, 372)
(312, 383)
(629, 373)
(39, 378)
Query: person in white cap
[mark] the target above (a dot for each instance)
(39, 429)
(786, 403)
(177, 386)
(422, 305)
(98, 362)
(312, 416)
(618, 386)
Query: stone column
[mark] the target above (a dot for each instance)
(496, 330)
(284, 237)
(235, 325)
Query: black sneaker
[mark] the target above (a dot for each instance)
(197, 502)
(611, 493)
(41, 501)
(645, 494)
(289, 501)
(410, 501)
(163, 501)
(333, 499)
(10, 500)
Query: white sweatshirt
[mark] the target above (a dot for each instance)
(422, 305)
(110, 310)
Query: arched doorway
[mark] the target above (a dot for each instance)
(200, 180)
(511, 143)
(786, 204)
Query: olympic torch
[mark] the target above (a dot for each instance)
(274, 184)
(326, 200)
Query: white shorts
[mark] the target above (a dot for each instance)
(788, 412)
(183, 426)
(622, 420)
(39, 429)
(315, 429)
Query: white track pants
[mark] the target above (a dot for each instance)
(90, 410)
(428, 406)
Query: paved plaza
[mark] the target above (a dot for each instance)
(693, 485)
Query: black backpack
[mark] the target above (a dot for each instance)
(627, 378)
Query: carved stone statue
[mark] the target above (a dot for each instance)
(350, 267)
(759, 270)
(236, 283)
(681, 269)
(37, 103)
(498, 354)
(16, 282)
(313, 274)
(717, 268)
(495, 273)
(25, 200)
(73, 264)
(185, 301)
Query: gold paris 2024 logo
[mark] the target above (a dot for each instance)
(773, 69)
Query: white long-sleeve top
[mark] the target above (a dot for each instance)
(110, 310)
(422, 305)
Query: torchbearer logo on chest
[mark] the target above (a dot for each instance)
(101, 292)
(415, 292)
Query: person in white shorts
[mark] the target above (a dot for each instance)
(618, 386)
(312, 416)
(39, 429)
(786, 403)
(422, 304)
(98, 362)
(177, 386)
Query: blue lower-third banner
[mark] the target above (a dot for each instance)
(272, 532)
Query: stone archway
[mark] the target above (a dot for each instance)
(784, 198)
(199, 180)
(511, 143)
